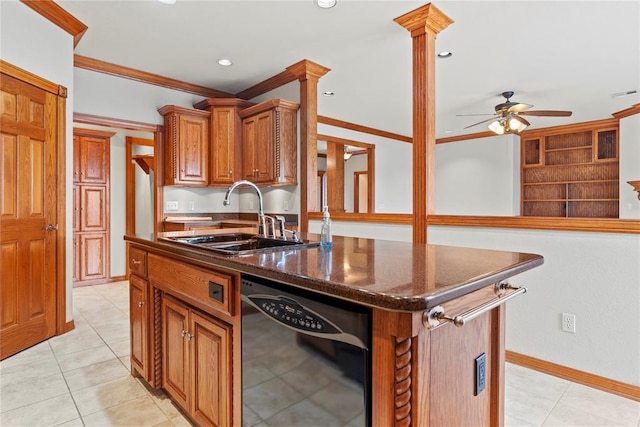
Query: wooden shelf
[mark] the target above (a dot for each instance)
(573, 174)
(146, 162)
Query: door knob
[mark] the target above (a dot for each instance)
(52, 227)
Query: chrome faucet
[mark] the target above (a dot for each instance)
(264, 229)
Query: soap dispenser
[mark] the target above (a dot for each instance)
(325, 229)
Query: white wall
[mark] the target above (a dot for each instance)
(477, 177)
(629, 166)
(393, 174)
(29, 41)
(592, 275)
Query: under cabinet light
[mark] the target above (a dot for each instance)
(225, 62)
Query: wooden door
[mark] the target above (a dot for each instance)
(210, 371)
(92, 261)
(94, 160)
(223, 145)
(175, 360)
(138, 313)
(193, 149)
(249, 142)
(28, 223)
(264, 153)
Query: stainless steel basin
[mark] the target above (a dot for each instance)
(239, 243)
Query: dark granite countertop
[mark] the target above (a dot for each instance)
(379, 273)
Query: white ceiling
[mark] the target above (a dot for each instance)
(564, 55)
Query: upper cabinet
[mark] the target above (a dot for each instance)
(571, 171)
(91, 157)
(270, 143)
(186, 146)
(225, 127)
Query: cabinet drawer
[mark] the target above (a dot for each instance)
(203, 288)
(138, 261)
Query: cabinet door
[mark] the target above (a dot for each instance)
(94, 160)
(175, 360)
(76, 158)
(92, 256)
(139, 318)
(264, 152)
(76, 208)
(210, 371)
(249, 143)
(75, 268)
(193, 151)
(93, 208)
(224, 146)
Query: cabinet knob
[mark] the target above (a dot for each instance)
(230, 172)
(135, 261)
(140, 303)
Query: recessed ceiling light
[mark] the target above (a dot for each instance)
(326, 4)
(328, 93)
(448, 131)
(225, 62)
(445, 54)
(167, 1)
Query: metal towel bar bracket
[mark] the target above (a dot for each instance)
(436, 315)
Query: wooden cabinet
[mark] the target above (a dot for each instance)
(186, 146)
(571, 171)
(91, 156)
(139, 324)
(270, 147)
(91, 163)
(225, 128)
(143, 310)
(196, 362)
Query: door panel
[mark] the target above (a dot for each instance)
(28, 123)
(93, 158)
(93, 247)
(93, 212)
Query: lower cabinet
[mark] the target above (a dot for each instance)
(139, 320)
(196, 363)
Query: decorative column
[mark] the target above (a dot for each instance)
(424, 24)
(308, 73)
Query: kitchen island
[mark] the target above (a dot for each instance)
(426, 370)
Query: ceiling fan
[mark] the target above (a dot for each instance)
(507, 118)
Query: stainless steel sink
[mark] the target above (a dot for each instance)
(233, 244)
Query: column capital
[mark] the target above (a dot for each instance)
(423, 19)
(305, 69)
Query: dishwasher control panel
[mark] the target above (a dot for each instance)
(293, 314)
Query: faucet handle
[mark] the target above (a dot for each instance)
(269, 226)
(281, 221)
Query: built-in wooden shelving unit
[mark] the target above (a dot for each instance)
(571, 171)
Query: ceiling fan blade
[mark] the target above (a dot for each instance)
(467, 115)
(484, 121)
(517, 108)
(554, 113)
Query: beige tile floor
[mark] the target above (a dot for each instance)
(82, 379)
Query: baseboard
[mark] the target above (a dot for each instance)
(605, 384)
(66, 327)
(99, 281)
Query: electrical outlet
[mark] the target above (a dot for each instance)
(192, 206)
(285, 205)
(481, 374)
(569, 322)
(171, 206)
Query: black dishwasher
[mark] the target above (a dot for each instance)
(306, 358)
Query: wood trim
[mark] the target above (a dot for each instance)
(364, 129)
(571, 128)
(585, 378)
(93, 132)
(634, 109)
(377, 218)
(267, 85)
(24, 75)
(458, 138)
(60, 17)
(600, 225)
(145, 77)
(62, 325)
(345, 141)
(115, 123)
